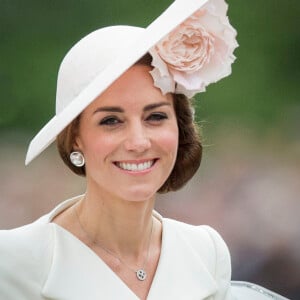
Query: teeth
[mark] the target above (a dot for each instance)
(135, 167)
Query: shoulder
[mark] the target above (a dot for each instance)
(31, 237)
(197, 234)
(205, 241)
(26, 254)
(208, 246)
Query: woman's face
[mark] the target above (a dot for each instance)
(129, 137)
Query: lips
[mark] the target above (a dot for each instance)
(135, 167)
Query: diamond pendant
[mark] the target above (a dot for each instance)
(141, 274)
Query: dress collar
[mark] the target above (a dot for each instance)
(77, 272)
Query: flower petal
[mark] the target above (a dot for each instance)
(196, 53)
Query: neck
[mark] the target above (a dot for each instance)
(121, 226)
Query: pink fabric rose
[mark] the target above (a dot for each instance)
(196, 53)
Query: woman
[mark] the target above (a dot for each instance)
(124, 121)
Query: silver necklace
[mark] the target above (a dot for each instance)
(141, 273)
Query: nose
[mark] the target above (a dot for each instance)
(137, 139)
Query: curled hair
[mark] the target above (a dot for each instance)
(65, 142)
(189, 146)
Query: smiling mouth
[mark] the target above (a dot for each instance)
(135, 166)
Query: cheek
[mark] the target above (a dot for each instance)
(98, 146)
(168, 139)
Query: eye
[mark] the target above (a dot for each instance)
(157, 116)
(110, 121)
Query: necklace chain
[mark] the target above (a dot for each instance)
(141, 274)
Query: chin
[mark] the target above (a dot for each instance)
(138, 194)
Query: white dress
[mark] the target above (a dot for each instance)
(44, 261)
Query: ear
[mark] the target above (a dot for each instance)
(78, 145)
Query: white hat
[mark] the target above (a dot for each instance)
(98, 59)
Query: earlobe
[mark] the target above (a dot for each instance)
(77, 159)
(76, 156)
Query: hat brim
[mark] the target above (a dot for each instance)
(174, 15)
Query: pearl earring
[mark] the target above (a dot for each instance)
(77, 159)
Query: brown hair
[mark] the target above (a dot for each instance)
(189, 149)
(189, 152)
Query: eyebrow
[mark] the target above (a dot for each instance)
(155, 105)
(109, 109)
(121, 110)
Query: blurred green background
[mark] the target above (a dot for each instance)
(261, 93)
(249, 181)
